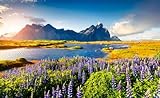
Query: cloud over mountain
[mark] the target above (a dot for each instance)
(146, 18)
(35, 19)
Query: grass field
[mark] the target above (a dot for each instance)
(8, 64)
(82, 77)
(141, 49)
(9, 44)
(136, 48)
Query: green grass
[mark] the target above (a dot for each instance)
(76, 47)
(8, 64)
(158, 55)
(9, 44)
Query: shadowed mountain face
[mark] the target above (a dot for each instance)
(48, 32)
(95, 33)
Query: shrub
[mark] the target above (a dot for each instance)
(99, 85)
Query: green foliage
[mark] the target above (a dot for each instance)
(76, 47)
(140, 87)
(158, 55)
(58, 77)
(99, 86)
(98, 83)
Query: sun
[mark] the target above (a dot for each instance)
(12, 23)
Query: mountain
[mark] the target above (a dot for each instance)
(115, 38)
(95, 33)
(34, 31)
(48, 32)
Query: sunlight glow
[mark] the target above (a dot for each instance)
(12, 23)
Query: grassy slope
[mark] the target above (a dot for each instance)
(7, 64)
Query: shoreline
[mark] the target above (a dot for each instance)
(136, 48)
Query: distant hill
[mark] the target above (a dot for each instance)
(48, 32)
(115, 38)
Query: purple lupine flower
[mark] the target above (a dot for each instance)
(79, 93)
(158, 72)
(150, 77)
(101, 66)
(70, 89)
(113, 83)
(142, 75)
(53, 92)
(90, 69)
(134, 71)
(47, 95)
(60, 95)
(83, 77)
(119, 86)
(57, 91)
(128, 77)
(108, 67)
(129, 90)
(6, 96)
(64, 91)
(73, 71)
(79, 74)
(123, 68)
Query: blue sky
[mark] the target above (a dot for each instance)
(124, 18)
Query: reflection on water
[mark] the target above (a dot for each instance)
(41, 53)
(89, 50)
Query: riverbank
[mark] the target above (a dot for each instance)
(136, 48)
(141, 49)
(144, 48)
(8, 64)
(11, 44)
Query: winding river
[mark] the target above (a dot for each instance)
(89, 50)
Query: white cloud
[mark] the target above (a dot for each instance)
(18, 1)
(35, 19)
(3, 9)
(152, 34)
(143, 19)
(1, 24)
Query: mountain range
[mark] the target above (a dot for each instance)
(48, 32)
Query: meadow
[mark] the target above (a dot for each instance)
(146, 48)
(9, 44)
(133, 72)
(81, 77)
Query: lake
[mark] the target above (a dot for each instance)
(89, 50)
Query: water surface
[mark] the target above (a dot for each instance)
(89, 50)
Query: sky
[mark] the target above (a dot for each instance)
(127, 19)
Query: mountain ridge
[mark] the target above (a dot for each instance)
(48, 32)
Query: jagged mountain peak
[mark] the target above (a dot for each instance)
(33, 26)
(36, 31)
(99, 25)
(48, 26)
